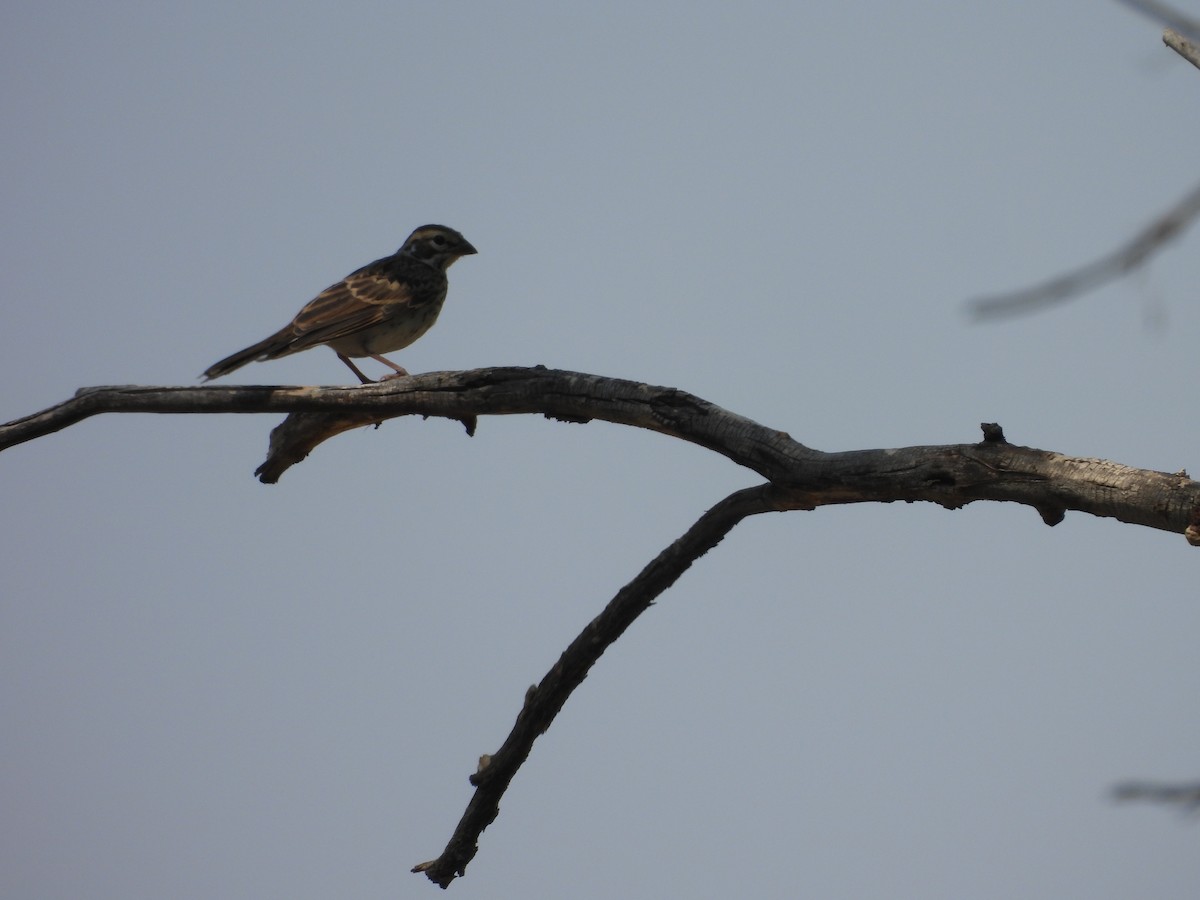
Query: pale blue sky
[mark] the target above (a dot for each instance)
(215, 688)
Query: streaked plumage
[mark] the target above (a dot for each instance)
(380, 308)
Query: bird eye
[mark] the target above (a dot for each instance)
(439, 240)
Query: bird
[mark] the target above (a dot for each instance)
(380, 308)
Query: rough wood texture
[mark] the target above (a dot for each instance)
(949, 475)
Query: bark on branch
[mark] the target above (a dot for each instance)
(544, 700)
(797, 476)
(950, 475)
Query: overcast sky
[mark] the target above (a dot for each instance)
(214, 688)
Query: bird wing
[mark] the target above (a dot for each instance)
(357, 302)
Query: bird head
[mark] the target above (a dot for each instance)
(436, 245)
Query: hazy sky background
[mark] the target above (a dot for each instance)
(214, 688)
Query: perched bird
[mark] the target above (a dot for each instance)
(381, 308)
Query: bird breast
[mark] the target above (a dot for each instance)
(395, 333)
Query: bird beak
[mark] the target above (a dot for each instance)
(467, 249)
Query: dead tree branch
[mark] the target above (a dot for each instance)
(797, 476)
(544, 700)
(949, 475)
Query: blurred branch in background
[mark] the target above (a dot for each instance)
(1167, 17)
(1066, 287)
(1133, 253)
(1187, 796)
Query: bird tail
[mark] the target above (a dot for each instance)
(278, 344)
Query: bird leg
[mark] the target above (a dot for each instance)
(400, 370)
(355, 369)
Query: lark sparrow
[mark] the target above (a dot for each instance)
(381, 308)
